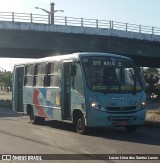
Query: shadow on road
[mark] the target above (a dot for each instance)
(8, 112)
(60, 125)
(144, 135)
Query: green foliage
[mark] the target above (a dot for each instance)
(157, 90)
(5, 79)
(152, 77)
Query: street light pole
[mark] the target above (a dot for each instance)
(51, 12)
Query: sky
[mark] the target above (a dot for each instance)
(140, 12)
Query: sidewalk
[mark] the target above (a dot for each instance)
(153, 112)
(153, 117)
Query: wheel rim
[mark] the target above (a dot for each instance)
(80, 124)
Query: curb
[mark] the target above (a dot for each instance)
(6, 103)
(153, 118)
(152, 124)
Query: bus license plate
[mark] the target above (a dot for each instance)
(122, 123)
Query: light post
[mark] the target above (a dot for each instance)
(51, 12)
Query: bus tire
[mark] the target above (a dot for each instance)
(35, 119)
(80, 125)
(131, 128)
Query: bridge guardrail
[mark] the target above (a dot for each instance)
(82, 22)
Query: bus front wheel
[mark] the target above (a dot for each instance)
(80, 125)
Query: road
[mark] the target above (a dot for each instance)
(19, 136)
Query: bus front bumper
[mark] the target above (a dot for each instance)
(98, 118)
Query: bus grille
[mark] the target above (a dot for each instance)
(115, 119)
(129, 108)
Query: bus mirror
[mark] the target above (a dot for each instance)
(73, 70)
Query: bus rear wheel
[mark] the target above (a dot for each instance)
(131, 128)
(35, 119)
(80, 125)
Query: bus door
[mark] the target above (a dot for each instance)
(66, 91)
(18, 89)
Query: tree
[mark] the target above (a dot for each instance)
(6, 79)
(157, 90)
(152, 77)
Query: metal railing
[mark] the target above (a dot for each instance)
(80, 22)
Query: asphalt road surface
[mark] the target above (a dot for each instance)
(19, 136)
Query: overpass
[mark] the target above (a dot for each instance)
(27, 36)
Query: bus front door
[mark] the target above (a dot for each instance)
(18, 89)
(66, 91)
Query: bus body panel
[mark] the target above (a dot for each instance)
(45, 102)
(78, 103)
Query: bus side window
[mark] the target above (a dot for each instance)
(40, 73)
(78, 81)
(54, 73)
(47, 77)
(29, 75)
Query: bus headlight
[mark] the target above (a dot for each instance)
(143, 105)
(97, 106)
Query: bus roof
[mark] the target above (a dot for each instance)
(71, 56)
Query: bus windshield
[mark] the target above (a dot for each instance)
(111, 74)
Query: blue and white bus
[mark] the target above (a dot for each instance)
(88, 89)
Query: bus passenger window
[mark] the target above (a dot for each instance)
(29, 81)
(54, 72)
(39, 80)
(29, 75)
(40, 73)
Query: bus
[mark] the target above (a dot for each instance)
(88, 89)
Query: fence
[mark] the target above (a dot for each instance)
(71, 21)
